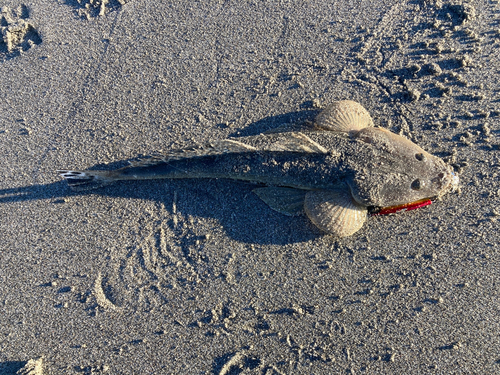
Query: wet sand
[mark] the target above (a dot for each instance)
(201, 277)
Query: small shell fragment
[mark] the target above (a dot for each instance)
(335, 211)
(344, 116)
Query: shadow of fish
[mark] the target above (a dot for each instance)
(334, 169)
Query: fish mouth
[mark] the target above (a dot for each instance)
(450, 181)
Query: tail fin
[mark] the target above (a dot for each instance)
(87, 180)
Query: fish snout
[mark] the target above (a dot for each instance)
(446, 181)
(441, 180)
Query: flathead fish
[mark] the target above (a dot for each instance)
(334, 169)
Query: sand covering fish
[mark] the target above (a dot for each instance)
(334, 169)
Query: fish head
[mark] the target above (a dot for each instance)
(396, 171)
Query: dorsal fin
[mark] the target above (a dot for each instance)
(301, 142)
(344, 116)
(225, 146)
(292, 141)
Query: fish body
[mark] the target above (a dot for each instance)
(333, 169)
(281, 168)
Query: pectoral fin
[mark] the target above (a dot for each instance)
(287, 201)
(335, 211)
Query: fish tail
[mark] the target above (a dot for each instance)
(88, 180)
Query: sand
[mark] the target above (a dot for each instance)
(201, 277)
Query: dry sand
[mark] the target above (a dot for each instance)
(201, 277)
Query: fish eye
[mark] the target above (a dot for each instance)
(420, 156)
(417, 185)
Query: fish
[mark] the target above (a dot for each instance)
(336, 169)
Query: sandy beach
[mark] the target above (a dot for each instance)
(200, 276)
